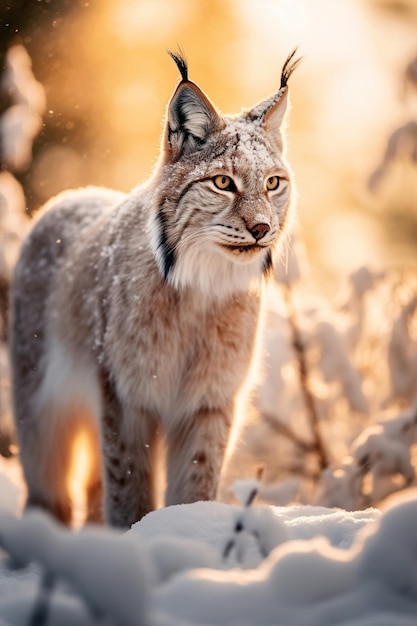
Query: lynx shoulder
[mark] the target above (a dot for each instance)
(135, 316)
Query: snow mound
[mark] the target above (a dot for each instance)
(323, 567)
(310, 582)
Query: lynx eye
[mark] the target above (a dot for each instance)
(225, 183)
(272, 183)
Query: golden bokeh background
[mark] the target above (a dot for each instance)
(108, 78)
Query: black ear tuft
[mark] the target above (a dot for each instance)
(273, 109)
(181, 63)
(289, 66)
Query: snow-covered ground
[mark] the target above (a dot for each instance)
(210, 563)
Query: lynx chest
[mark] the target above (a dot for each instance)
(176, 353)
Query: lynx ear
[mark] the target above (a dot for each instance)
(274, 115)
(191, 116)
(270, 113)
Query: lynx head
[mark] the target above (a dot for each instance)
(223, 190)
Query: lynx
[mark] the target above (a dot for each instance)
(136, 316)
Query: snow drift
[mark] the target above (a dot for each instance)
(323, 567)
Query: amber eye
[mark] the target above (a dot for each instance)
(224, 182)
(272, 183)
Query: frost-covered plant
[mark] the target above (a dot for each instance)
(251, 524)
(20, 122)
(380, 463)
(402, 141)
(337, 403)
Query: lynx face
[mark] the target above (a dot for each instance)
(223, 199)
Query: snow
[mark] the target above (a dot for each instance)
(296, 566)
(310, 582)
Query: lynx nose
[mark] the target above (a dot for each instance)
(259, 230)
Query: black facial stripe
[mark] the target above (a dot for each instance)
(180, 197)
(218, 151)
(186, 190)
(194, 182)
(191, 184)
(167, 250)
(268, 265)
(187, 223)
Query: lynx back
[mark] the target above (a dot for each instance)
(135, 316)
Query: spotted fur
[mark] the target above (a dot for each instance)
(137, 315)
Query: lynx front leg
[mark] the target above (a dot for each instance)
(129, 466)
(195, 456)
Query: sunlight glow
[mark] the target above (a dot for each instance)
(134, 19)
(289, 14)
(77, 481)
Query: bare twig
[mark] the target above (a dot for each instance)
(403, 140)
(40, 611)
(289, 433)
(303, 374)
(240, 521)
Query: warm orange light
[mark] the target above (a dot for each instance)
(81, 466)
